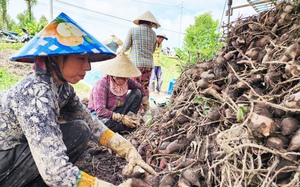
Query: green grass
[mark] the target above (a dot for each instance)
(82, 89)
(7, 80)
(13, 46)
(170, 70)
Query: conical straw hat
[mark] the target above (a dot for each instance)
(63, 36)
(120, 66)
(147, 16)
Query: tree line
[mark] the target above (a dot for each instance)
(26, 19)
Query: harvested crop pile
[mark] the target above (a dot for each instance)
(234, 120)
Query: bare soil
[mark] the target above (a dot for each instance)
(14, 68)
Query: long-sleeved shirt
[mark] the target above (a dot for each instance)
(32, 108)
(141, 41)
(156, 55)
(104, 102)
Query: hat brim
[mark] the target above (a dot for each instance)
(63, 36)
(92, 58)
(163, 37)
(147, 16)
(120, 66)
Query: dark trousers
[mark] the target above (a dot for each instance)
(132, 103)
(17, 167)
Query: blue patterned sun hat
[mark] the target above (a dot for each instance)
(63, 36)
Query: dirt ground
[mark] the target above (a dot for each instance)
(96, 160)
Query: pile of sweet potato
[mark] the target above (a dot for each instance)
(234, 120)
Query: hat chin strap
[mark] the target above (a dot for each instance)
(56, 69)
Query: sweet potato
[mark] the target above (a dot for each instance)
(253, 52)
(289, 125)
(291, 53)
(163, 163)
(183, 162)
(285, 163)
(182, 182)
(152, 180)
(139, 183)
(295, 142)
(137, 172)
(192, 175)
(167, 180)
(275, 143)
(292, 101)
(172, 147)
(261, 125)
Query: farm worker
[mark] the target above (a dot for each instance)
(43, 125)
(113, 42)
(156, 74)
(116, 94)
(141, 41)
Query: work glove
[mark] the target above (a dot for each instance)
(145, 103)
(129, 121)
(127, 183)
(117, 117)
(101, 183)
(85, 179)
(125, 149)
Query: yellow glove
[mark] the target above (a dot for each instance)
(145, 103)
(125, 149)
(101, 183)
(117, 117)
(129, 121)
(85, 179)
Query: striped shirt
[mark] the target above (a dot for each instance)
(142, 42)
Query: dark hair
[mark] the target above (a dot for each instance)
(144, 22)
(48, 63)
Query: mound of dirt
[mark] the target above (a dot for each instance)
(15, 68)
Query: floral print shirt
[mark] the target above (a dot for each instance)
(32, 108)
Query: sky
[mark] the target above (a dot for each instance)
(101, 18)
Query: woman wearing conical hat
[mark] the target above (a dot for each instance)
(116, 98)
(141, 42)
(156, 74)
(113, 42)
(44, 127)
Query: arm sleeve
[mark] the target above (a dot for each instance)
(100, 99)
(128, 41)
